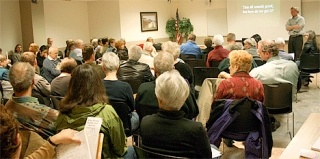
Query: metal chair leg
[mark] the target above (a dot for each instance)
(293, 124)
(288, 131)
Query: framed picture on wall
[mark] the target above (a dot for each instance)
(149, 21)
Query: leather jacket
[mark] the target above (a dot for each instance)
(310, 47)
(133, 70)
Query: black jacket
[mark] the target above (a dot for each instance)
(310, 47)
(133, 70)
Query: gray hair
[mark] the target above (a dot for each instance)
(21, 75)
(172, 89)
(218, 40)
(269, 46)
(147, 46)
(279, 41)
(251, 41)
(110, 62)
(78, 42)
(171, 47)
(163, 62)
(134, 53)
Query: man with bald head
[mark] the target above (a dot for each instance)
(49, 70)
(33, 47)
(41, 85)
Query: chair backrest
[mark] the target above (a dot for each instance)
(135, 84)
(144, 110)
(143, 153)
(201, 73)
(56, 101)
(278, 98)
(195, 63)
(215, 63)
(123, 112)
(187, 56)
(310, 62)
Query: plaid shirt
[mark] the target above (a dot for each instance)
(32, 115)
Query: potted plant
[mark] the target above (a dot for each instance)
(185, 28)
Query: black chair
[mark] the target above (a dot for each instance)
(56, 101)
(135, 84)
(215, 63)
(143, 153)
(201, 73)
(187, 56)
(310, 63)
(278, 100)
(144, 110)
(123, 112)
(245, 123)
(195, 63)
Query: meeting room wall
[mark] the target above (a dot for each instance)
(10, 25)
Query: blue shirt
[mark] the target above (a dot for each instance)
(191, 48)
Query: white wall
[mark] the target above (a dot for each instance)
(311, 13)
(104, 19)
(130, 18)
(65, 20)
(38, 23)
(10, 26)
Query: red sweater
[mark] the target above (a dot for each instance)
(218, 54)
(240, 85)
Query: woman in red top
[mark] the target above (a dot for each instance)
(239, 84)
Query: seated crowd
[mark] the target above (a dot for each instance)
(89, 78)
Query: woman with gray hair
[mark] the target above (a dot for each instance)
(218, 53)
(250, 45)
(168, 132)
(117, 90)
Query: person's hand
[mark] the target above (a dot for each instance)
(66, 136)
(224, 75)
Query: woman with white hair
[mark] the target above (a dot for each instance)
(168, 132)
(117, 90)
(250, 45)
(218, 53)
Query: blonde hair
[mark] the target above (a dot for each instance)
(242, 59)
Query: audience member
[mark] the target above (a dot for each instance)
(112, 46)
(208, 43)
(104, 48)
(281, 44)
(97, 49)
(122, 53)
(134, 70)
(49, 71)
(68, 48)
(0, 51)
(94, 43)
(86, 97)
(17, 53)
(150, 39)
(311, 45)
(231, 40)
(74, 51)
(88, 55)
(250, 45)
(7, 90)
(168, 132)
(3, 68)
(16, 144)
(190, 47)
(146, 56)
(257, 38)
(124, 43)
(60, 84)
(183, 68)
(78, 48)
(41, 85)
(33, 47)
(49, 42)
(118, 90)
(219, 53)
(28, 111)
(149, 49)
(41, 55)
(146, 96)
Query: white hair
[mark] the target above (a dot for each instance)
(163, 62)
(218, 40)
(78, 42)
(171, 47)
(279, 41)
(134, 53)
(110, 61)
(147, 46)
(251, 41)
(172, 90)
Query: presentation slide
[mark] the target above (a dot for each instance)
(265, 17)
